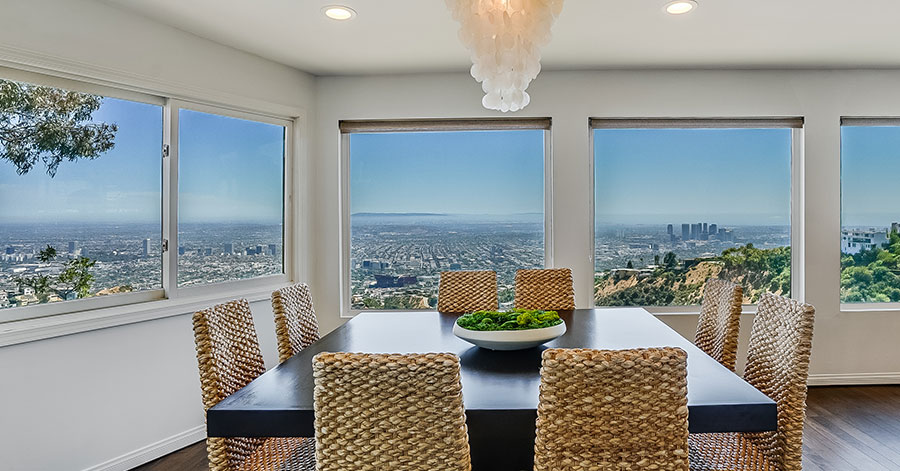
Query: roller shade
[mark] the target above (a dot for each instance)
(420, 125)
(870, 121)
(695, 123)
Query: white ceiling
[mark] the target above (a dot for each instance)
(390, 36)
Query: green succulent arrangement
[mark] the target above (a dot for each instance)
(516, 319)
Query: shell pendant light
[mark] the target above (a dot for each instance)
(505, 37)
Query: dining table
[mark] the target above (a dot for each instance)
(500, 388)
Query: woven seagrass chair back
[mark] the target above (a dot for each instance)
(612, 410)
(550, 289)
(778, 365)
(720, 321)
(229, 357)
(296, 326)
(467, 291)
(389, 412)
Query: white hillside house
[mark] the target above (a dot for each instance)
(855, 241)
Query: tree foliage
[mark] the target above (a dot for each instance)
(757, 270)
(872, 276)
(49, 125)
(76, 276)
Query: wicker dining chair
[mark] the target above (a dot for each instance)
(389, 412)
(550, 288)
(229, 357)
(777, 365)
(720, 321)
(467, 291)
(612, 410)
(296, 326)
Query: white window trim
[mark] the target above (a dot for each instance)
(865, 121)
(797, 205)
(170, 224)
(346, 311)
(41, 321)
(40, 328)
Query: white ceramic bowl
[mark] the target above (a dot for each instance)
(509, 339)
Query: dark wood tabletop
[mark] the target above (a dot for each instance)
(500, 388)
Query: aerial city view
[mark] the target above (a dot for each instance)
(89, 223)
(396, 259)
(127, 258)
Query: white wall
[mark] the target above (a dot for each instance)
(88, 36)
(76, 402)
(845, 343)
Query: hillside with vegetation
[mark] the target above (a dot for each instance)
(680, 282)
(872, 276)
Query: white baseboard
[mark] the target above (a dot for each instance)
(850, 379)
(152, 451)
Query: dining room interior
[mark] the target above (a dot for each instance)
(449, 235)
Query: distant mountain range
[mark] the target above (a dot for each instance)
(440, 214)
(399, 214)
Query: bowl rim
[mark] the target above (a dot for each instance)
(544, 333)
(511, 330)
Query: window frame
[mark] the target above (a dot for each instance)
(170, 201)
(347, 127)
(169, 294)
(860, 121)
(797, 207)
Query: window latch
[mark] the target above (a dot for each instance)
(165, 245)
(165, 150)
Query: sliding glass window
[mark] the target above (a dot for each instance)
(80, 177)
(426, 197)
(870, 210)
(89, 181)
(679, 201)
(230, 198)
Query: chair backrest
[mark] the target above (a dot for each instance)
(778, 365)
(549, 288)
(467, 291)
(229, 357)
(296, 326)
(720, 321)
(611, 410)
(389, 411)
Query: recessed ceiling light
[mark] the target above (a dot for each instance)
(680, 7)
(339, 12)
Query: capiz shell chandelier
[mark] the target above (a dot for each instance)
(505, 37)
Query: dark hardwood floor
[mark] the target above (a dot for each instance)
(847, 429)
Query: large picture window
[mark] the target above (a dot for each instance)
(679, 201)
(870, 210)
(431, 197)
(80, 178)
(89, 181)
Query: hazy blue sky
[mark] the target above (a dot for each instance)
(723, 176)
(231, 170)
(481, 172)
(121, 185)
(870, 176)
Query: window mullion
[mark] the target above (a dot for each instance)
(170, 200)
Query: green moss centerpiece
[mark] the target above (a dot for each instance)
(509, 330)
(517, 319)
